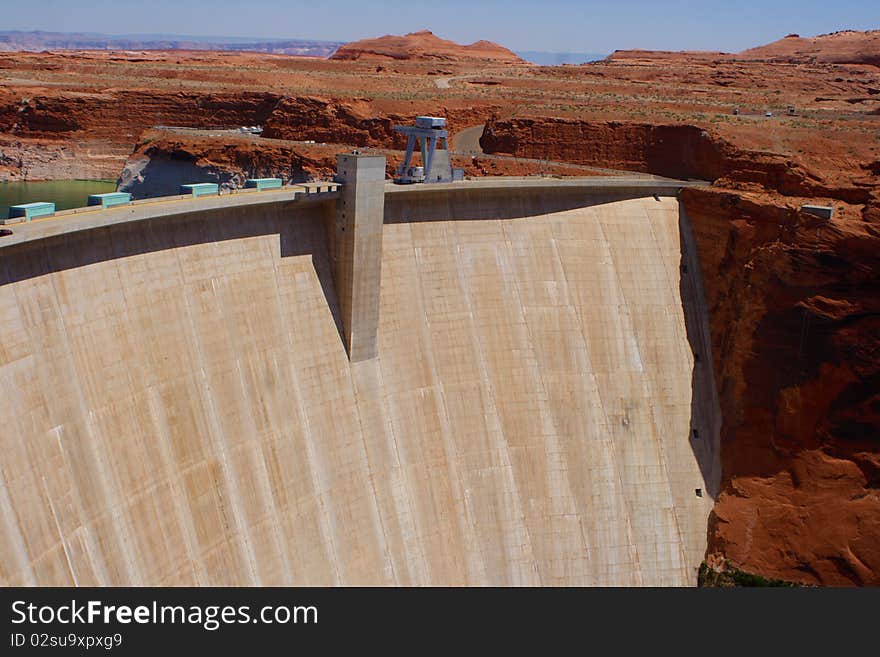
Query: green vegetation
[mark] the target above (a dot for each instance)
(731, 576)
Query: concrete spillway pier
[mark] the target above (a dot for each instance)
(179, 406)
(356, 250)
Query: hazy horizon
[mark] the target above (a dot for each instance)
(554, 26)
(542, 57)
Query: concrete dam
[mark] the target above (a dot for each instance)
(500, 382)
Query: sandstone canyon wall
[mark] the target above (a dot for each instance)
(165, 159)
(48, 135)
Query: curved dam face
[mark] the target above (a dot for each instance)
(179, 408)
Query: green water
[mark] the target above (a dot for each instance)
(65, 194)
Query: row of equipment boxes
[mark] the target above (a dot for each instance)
(28, 211)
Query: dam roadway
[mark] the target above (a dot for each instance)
(180, 407)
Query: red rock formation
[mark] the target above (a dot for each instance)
(114, 120)
(661, 55)
(51, 134)
(795, 320)
(676, 151)
(351, 121)
(112, 115)
(844, 47)
(46, 159)
(165, 159)
(423, 45)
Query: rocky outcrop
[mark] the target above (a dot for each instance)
(354, 121)
(115, 120)
(705, 56)
(795, 320)
(115, 115)
(424, 45)
(164, 161)
(676, 151)
(74, 135)
(843, 47)
(335, 121)
(41, 159)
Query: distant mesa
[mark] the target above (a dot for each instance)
(424, 45)
(844, 47)
(675, 55)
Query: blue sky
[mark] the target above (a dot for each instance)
(550, 25)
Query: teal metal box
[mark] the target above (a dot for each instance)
(200, 189)
(110, 199)
(264, 183)
(32, 210)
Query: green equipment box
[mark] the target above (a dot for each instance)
(110, 199)
(200, 189)
(32, 210)
(264, 183)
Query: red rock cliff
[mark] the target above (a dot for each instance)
(123, 115)
(795, 320)
(843, 47)
(676, 151)
(114, 120)
(335, 121)
(165, 159)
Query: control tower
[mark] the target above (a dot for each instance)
(433, 139)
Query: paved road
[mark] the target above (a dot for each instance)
(467, 141)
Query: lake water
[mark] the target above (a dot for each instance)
(65, 194)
